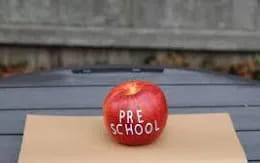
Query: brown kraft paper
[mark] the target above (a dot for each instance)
(194, 138)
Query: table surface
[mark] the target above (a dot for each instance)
(80, 92)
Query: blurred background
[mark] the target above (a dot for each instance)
(216, 35)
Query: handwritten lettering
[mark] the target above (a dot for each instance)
(134, 124)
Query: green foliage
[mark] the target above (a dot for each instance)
(257, 59)
(257, 75)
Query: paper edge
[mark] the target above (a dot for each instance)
(237, 138)
(90, 116)
(24, 131)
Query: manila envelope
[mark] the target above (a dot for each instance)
(195, 138)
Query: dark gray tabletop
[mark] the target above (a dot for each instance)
(81, 92)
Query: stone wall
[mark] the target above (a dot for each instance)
(165, 24)
(48, 34)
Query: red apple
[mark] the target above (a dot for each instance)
(135, 112)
